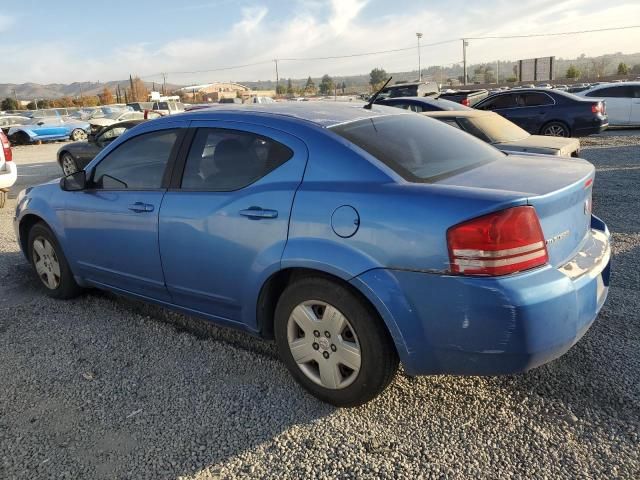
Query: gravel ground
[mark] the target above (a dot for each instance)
(102, 387)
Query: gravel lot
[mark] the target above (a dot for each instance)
(102, 387)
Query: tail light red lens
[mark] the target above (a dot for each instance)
(6, 147)
(465, 102)
(500, 243)
(597, 108)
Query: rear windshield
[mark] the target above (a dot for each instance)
(494, 128)
(418, 148)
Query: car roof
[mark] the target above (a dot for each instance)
(323, 114)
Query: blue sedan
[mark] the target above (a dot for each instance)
(549, 112)
(48, 129)
(356, 238)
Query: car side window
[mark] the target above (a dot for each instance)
(536, 99)
(622, 91)
(222, 160)
(111, 134)
(137, 164)
(500, 101)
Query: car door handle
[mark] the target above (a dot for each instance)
(256, 213)
(140, 207)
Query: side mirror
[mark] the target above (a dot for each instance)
(75, 182)
(40, 123)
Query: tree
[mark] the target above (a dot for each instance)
(636, 69)
(106, 97)
(326, 85)
(573, 72)
(290, 90)
(137, 91)
(343, 87)
(281, 89)
(31, 105)
(512, 79)
(310, 87)
(623, 69)
(377, 77)
(9, 103)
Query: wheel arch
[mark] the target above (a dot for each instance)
(275, 285)
(24, 227)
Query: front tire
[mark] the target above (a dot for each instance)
(333, 343)
(68, 164)
(50, 264)
(78, 134)
(556, 129)
(20, 138)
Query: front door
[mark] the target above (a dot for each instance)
(224, 227)
(112, 227)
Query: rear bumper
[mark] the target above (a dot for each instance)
(596, 127)
(8, 175)
(444, 324)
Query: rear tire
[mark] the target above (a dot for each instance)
(50, 264)
(555, 129)
(344, 354)
(20, 138)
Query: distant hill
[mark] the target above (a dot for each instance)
(29, 91)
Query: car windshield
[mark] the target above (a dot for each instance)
(419, 149)
(494, 128)
(113, 116)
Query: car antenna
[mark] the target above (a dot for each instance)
(374, 97)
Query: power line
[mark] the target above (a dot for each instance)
(382, 52)
(557, 34)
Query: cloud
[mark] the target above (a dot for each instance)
(311, 29)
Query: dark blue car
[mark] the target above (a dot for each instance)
(421, 104)
(549, 112)
(355, 237)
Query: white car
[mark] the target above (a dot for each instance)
(622, 101)
(115, 117)
(8, 170)
(168, 107)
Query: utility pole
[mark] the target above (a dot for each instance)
(465, 44)
(164, 84)
(419, 35)
(16, 97)
(275, 60)
(497, 72)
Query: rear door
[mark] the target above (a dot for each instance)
(224, 223)
(619, 102)
(535, 110)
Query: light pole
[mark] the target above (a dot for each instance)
(465, 44)
(419, 35)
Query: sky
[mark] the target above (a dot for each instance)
(66, 41)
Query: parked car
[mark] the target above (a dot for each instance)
(8, 170)
(421, 104)
(505, 135)
(76, 156)
(468, 98)
(354, 237)
(116, 117)
(415, 89)
(47, 129)
(8, 121)
(168, 107)
(549, 112)
(622, 99)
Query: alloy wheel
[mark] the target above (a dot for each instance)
(324, 344)
(555, 131)
(46, 263)
(68, 165)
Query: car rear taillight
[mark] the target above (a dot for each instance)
(597, 108)
(465, 102)
(6, 147)
(500, 243)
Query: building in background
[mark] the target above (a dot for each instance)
(214, 92)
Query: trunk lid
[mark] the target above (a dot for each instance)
(559, 190)
(543, 144)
